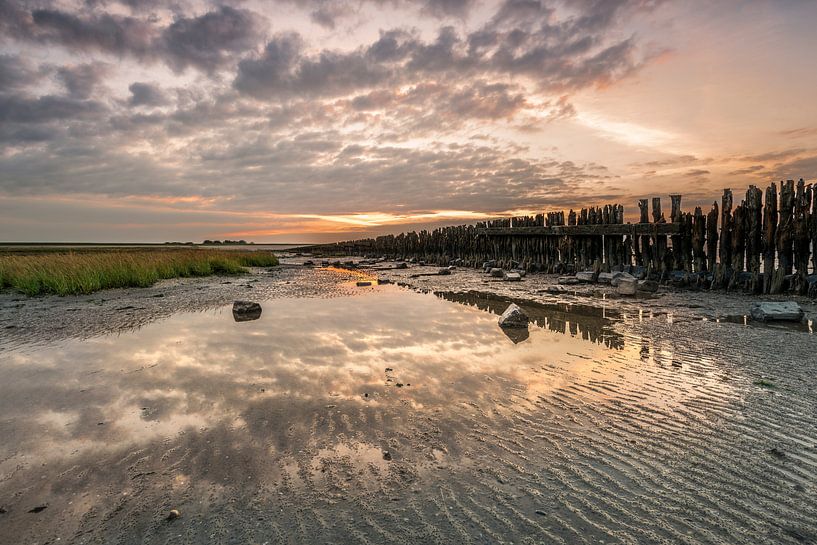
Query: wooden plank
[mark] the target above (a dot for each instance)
(595, 229)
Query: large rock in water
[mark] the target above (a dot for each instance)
(513, 317)
(244, 311)
(783, 311)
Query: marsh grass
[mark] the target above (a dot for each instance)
(73, 273)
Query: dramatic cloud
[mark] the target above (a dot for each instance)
(394, 108)
(207, 41)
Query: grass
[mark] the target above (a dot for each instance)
(74, 273)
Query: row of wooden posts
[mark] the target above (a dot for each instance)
(762, 244)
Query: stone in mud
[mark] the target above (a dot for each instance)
(444, 272)
(513, 317)
(401, 266)
(520, 272)
(627, 285)
(497, 272)
(648, 286)
(245, 311)
(512, 277)
(619, 277)
(568, 280)
(585, 276)
(363, 283)
(605, 278)
(782, 311)
(383, 281)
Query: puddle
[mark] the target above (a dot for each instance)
(330, 399)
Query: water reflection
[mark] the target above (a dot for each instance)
(309, 396)
(588, 322)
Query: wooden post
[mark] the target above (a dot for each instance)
(675, 215)
(785, 228)
(712, 237)
(726, 236)
(769, 236)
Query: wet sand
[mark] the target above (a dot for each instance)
(378, 414)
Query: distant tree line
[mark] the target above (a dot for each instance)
(226, 241)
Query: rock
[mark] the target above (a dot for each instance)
(512, 277)
(516, 334)
(401, 265)
(363, 283)
(173, 514)
(605, 278)
(555, 290)
(497, 272)
(585, 276)
(245, 311)
(387, 456)
(568, 280)
(383, 281)
(452, 267)
(513, 317)
(324, 263)
(619, 277)
(520, 272)
(648, 286)
(627, 285)
(309, 263)
(412, 260)
(488, 265)
(780, 311)
(444, 272)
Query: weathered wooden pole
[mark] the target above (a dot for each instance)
(769, 236)
(754, 233)
(675, 215)
(725, 249)
(712, 238)
(785, 227)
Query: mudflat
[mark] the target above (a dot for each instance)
(402, 414)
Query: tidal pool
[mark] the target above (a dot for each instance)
(388, 416)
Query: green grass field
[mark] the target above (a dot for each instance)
(86, 271)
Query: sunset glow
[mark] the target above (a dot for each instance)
(321, 120)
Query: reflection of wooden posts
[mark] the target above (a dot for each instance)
(642, 243)
(712, 237)
(769, 236)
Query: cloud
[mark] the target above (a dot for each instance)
(17, 73)
(81, 80)
(571, 55)
(146, 94)
(208, 41)
(19, 109)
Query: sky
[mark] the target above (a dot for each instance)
(323, 120)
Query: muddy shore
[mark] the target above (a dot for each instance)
(668, 419)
